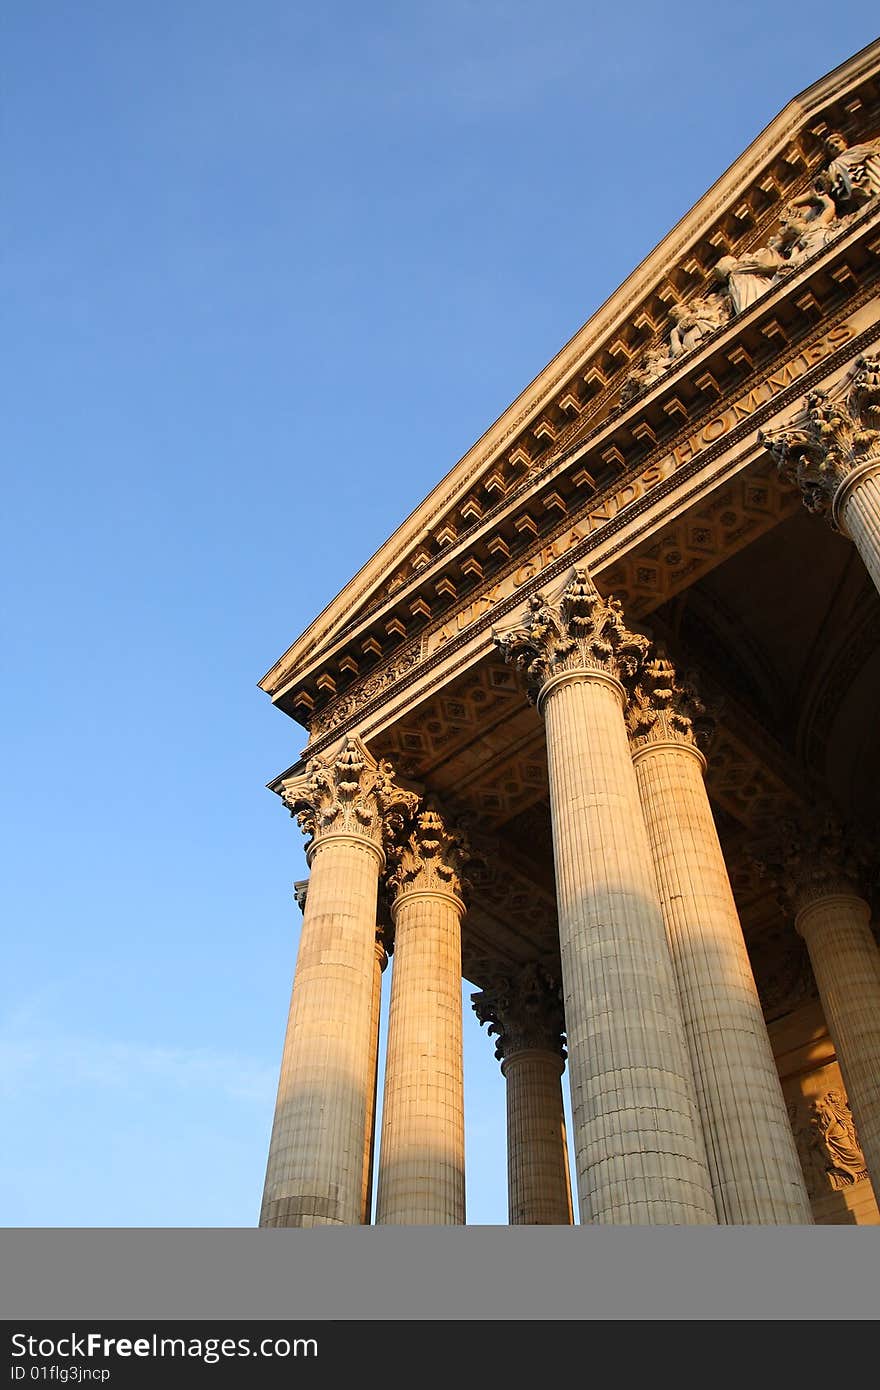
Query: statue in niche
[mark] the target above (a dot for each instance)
(695, 321)
(852, 179)
(853, 174)
(833, 1124)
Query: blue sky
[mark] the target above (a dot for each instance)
(268, 270)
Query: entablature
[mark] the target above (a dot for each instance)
(584, 428)
(564, 512)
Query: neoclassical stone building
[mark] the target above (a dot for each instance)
(597, 729)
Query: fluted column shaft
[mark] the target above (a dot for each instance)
(315, 1173)
(846, 966)
(538, 1183)
(380, 959)
(857, 511)
(639, 1147)
(421, 1160)
(753, 1161)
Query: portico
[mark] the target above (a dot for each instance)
(596, 730)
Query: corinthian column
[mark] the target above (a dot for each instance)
(315, 1174)
(753, 1161)
(522, 1006)
(831, 451)
(421, 1158)
(384, 935)
(818, 868)
(638, 1141)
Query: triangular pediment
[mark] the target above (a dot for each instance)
(483, 501)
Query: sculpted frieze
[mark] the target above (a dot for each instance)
(547, 552)
(615, 501)
(838, 194)
(365, 691)
(854, 173)
(833, 1123)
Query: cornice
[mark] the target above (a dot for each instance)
(802, 335)
(802, 331)
(406, 667)
(796, 122)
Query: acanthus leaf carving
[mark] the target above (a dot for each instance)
(836, 197)
(580, 631)
(349, 794)
(665, 706)
(819, 448)
(810, 858)
(523, 1008)
(428, 855)
(362, 692)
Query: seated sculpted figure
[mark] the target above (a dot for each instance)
(749, 276)
(854, 174)
(645, 373)
(695, 321)
(805, 232)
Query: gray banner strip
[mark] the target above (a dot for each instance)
(468, 1273)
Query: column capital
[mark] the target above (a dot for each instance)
(522, 1005)
(348, 794)
(811, 858)
(577, 633)
(833, 437)
(430, 858)
(665, 707)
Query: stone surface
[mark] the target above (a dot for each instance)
(316, 1168)
(638, 455)
(756, 1175)
(523, 1007)
(638, 1141)
(319, 1153)
(421, 1161)
(846, 964)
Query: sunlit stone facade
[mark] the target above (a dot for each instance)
(596, 730)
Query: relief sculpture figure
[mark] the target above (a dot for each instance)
(649, 370)
(854, 174)
(809, 223)
(833, 1121)
(695, 321)
(747, 277)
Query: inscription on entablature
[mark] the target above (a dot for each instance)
(612, 505)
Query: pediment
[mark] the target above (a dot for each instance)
(502, 493)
